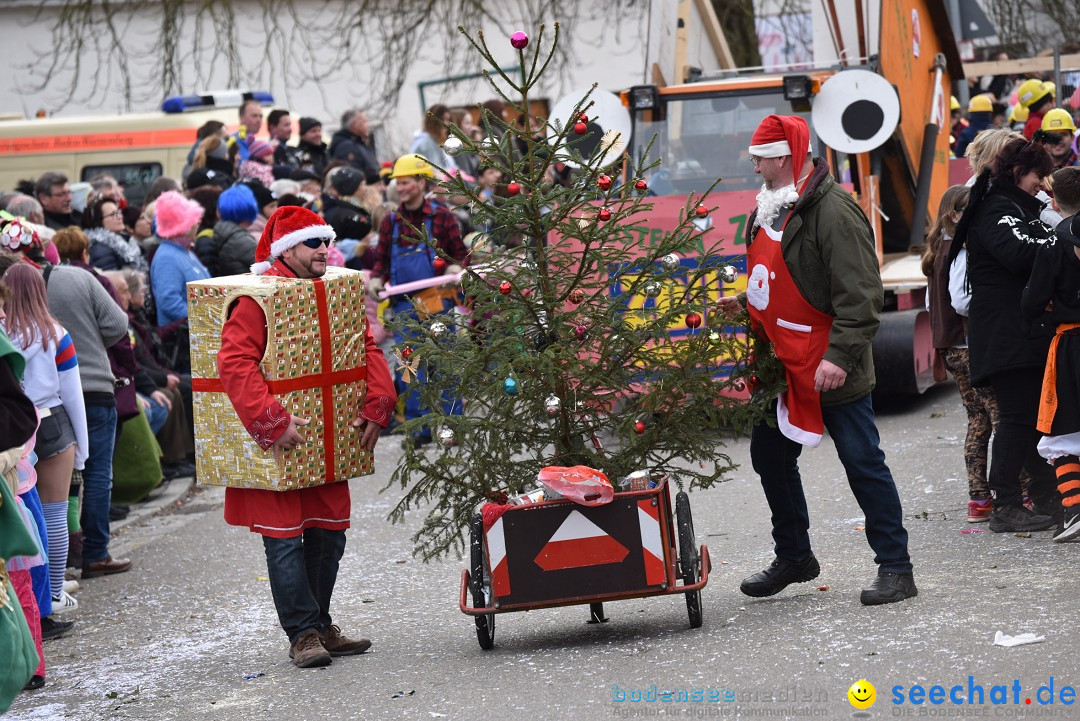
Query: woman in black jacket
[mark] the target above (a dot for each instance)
(1003, 233)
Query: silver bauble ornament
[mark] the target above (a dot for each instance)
(652, 290)
(439, 330)
(729, 274)
(553, 405)
(670, 262)
(447, 437)
(490, 144)
(453, 146)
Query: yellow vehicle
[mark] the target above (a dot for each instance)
(701, 130)
(136, 148)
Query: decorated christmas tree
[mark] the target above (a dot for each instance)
(581, 345)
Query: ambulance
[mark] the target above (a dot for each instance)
(136, 148)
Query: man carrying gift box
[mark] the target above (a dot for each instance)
(303, 530)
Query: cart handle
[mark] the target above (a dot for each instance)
(706, 566)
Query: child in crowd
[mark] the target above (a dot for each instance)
(52, 382)
(1054, 289)
(947, 301)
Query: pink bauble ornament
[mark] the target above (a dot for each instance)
(519, 40)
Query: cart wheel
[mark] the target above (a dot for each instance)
(689, 556)
(485, 625)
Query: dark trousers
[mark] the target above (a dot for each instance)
(1016, 442)
(855, 435)
(303, 571)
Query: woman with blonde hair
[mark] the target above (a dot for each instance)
(985, 147)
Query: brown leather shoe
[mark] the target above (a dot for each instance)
(337, 644)
(308, 651)
(105, 567)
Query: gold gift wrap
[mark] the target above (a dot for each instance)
(314, 366)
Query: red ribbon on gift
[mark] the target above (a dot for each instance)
(325, 380)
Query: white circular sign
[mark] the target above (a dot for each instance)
(856, 111)
(607, 116)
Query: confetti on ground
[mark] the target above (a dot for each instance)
(969, 531)
(823, 588)
(403, 694)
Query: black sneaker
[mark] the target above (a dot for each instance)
(1015, 519)
(118, 511)
(889, 588)
(779, 575)
(51, 628)
(1070, 526)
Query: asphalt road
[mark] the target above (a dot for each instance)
(191, 632)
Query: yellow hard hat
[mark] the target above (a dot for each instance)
(412, 164)
(1058, 121)
(1051, 87)
(981, 104)
(1019, 114)
(1031, 92)
(954, 104)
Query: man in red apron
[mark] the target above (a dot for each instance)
(303, 530)
(814, 290)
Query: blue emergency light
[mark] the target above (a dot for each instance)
(215, 99)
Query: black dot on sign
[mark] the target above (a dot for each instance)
(862, 119)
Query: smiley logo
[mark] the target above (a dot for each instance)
(862, 694)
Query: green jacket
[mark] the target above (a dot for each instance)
(828, 246)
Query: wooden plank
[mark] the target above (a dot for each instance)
(716, 34)
(1021, 66)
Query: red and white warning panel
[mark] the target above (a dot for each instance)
(553, 551)
(579, 542)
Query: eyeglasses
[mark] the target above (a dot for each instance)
(115, 214)
(61, 194)
(314, 243)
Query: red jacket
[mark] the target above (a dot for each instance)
(284, 514)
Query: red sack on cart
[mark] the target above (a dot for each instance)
(580, 484)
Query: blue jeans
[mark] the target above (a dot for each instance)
(97, 482)
(156, 415)
(855, 435)
(303, 571)
(403, 309)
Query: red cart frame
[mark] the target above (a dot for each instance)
(559, 553)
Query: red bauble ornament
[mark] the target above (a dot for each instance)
(604, 214)
(581, 331)
(702, 211)
(639, 428)
(580, 128)
(641, 186)
(513, 189)
(583, 118)
(505, 287)
(406, 352)
(693, 320)
(439, 264)
(576, 296)
(604, 183)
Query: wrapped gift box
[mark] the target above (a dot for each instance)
(314, 366)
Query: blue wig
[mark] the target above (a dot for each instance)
(238, 204)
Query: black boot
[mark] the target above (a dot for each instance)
(779, 575)
(889, 588)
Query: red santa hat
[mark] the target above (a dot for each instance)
(780, 135)
(290, 225)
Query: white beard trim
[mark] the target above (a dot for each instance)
(770, 202)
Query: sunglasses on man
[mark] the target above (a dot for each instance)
(314, 243)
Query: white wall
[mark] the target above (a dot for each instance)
(607, 48)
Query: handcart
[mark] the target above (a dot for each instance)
(560, 553)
